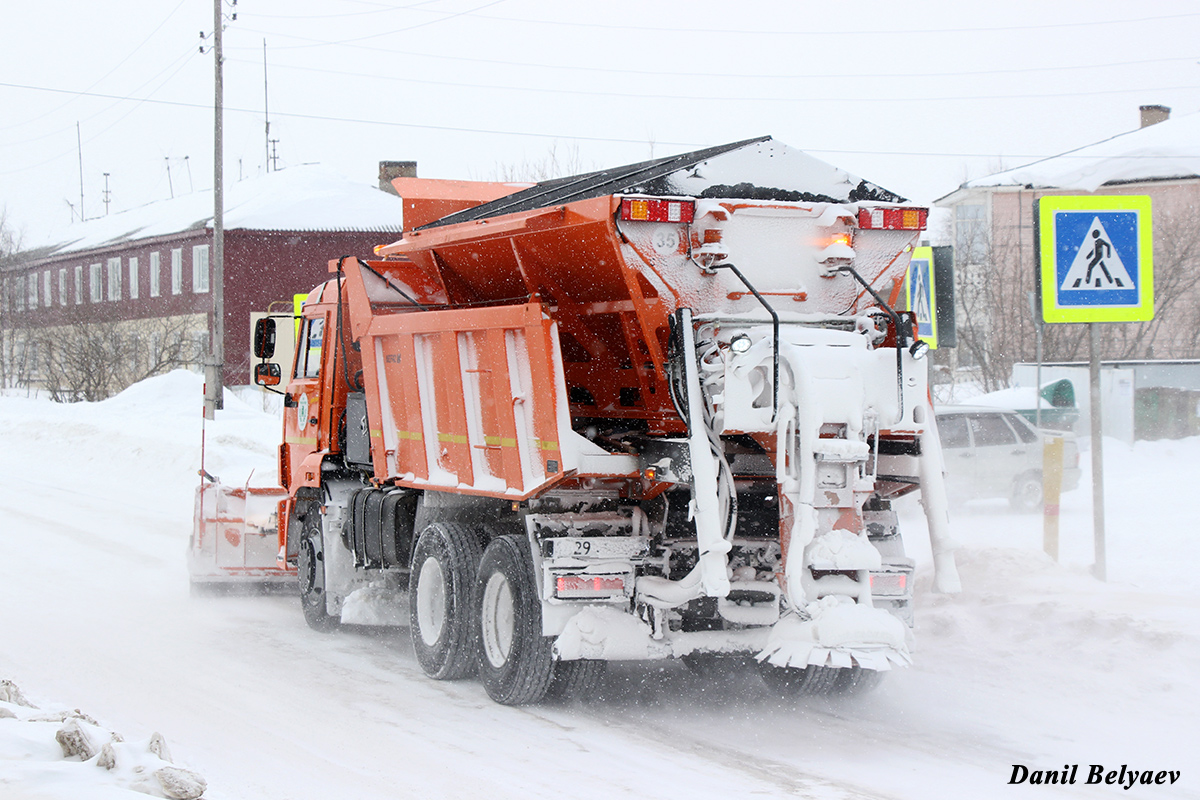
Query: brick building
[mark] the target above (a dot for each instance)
(135, 287)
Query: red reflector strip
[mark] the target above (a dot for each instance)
(893, 219)
(589, 585)
(656, 210)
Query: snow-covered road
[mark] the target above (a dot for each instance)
(1035, 663)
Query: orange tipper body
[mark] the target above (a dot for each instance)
(655, 411)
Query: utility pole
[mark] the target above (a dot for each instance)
(215, 367)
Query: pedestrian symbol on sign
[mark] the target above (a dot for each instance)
(1096, 264)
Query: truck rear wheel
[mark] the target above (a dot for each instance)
(574, 680)
(799, 682)
(857, 680)
(442, 616)
(516, 662)
(310, 567)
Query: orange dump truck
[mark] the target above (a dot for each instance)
(658, 411)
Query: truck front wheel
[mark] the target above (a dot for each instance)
(516, 662)
(441, 614)
(310, 566)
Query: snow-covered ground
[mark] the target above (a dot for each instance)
(1034, 663)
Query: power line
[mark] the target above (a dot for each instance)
(559, 136)
(743, 76)
(707, 97)
(849, 31)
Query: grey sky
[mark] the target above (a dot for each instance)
(913, 96)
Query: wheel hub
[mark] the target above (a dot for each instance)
(499, 620)
(431, 601)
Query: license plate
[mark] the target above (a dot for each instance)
(601, 547)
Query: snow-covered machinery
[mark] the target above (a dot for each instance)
(655, 411)
(235, 536)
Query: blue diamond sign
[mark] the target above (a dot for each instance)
(1096, 256)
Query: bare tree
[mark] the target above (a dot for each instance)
(552, 165)
(93, 360)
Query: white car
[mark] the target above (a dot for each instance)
(991, 452)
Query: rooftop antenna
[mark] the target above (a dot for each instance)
(107, 194)
(266, 110)
(187, 163)
(170, 185)
(79, 144)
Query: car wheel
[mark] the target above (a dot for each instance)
(1027, 491)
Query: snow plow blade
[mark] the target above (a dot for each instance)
(235, 537)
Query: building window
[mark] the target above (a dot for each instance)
(78, 284)
(133, 279)
(62, 286)
(176, 271)
(33, 292)
(200, 268)
(96, 282)
(47, 299)
(114, 279)
(970, 233)
(155, 267)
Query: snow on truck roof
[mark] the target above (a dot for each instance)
(753, 169)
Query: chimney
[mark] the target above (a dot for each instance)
(396, 169)
(1152, 115)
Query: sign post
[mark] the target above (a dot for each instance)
(1096, 264)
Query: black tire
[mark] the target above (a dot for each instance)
(799, 682)
(441, 611)
(516, 663)
(573, 680)
(1027, 491)
(857, 680)
(310, 566)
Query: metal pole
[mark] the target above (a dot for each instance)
(214, 380)
(1100, 569)
(266, 113)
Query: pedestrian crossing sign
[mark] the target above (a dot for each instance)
(920, 294)
(1096, 255)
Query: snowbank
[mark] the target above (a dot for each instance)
(1034, 663)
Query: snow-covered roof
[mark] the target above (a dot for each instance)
(1169, 149)
(304, 198)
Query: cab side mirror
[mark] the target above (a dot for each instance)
(267, 373)
(264, 341)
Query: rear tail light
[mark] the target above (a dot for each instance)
(657, 210)
(570, 587)
(893, 219)
(884, 584)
